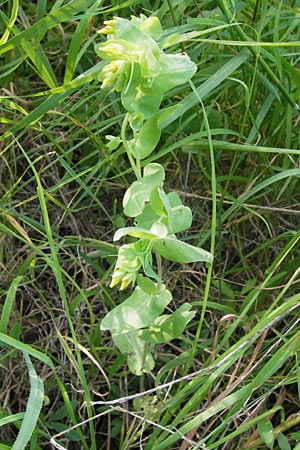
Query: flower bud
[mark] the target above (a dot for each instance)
(109, 27)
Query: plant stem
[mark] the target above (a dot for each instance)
(135, 167)
(142, 378)
(159, 269)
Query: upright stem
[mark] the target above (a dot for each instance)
(135, 167)
(159, 269)
(142, 378)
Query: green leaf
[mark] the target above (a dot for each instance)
(148, 136)
(147, 218)
(168, 327)
(146, 284)
(9, 303)
(136, 30)
(149, 25)
(146, 103)
(139, 192)
(62, 412)
(140, 70)
(33, 407)
(147, 139)
(66, 13)
(283, 442)
(175, 70)
(168, 209)
(158, 231)
(147, 266)
(113, 142)
(265, 429)
(180, 219)
(137, 311)
(139, 357)
(10, 419)
(205, 89)
(174, 250)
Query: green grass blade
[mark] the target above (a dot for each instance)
(8, 304)
(260, 187)
(52, 101)
(58, 273)
(65, 13)
(33, 408)
(208, 86)
(12, 19)
(11, 418)
(25, 348)
(77, 38)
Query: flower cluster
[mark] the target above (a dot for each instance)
(137, 66)
(131, 258)
(127, 266)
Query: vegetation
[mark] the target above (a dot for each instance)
(229, 147)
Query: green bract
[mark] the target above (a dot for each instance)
(139, 192)
(139, 69)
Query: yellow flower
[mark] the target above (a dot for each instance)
(123, 277)
(109, 27)
(110, 72)
(127, 266)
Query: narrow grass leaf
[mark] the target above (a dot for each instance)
(11, 418)
(208, 86)
(58, 94)
(245, 426)
(25, 348)
(77, 39)
(196, 421)
(58, 273)
(259, 187)
(8, 304)
(66, 13)
(33, 408)
(12, 19)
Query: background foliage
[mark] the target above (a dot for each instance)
(232, 379)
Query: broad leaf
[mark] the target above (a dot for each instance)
(148, 136)
(157, 231)
(139, 357)
(265, 429)
(137, 311)
(147, 218)
(139, 192)
(174, 199)
(169, 209)
(180, 219)
(146, 140)
(134, 96)
(168, 327)
(145, 284)
(140, 70)
(159, 202)
(174, 250)
(175, 70)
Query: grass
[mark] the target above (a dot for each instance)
(231, 149)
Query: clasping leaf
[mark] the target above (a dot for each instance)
(139, 192)
(175, 250)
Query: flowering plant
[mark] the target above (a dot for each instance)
(138, 68)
